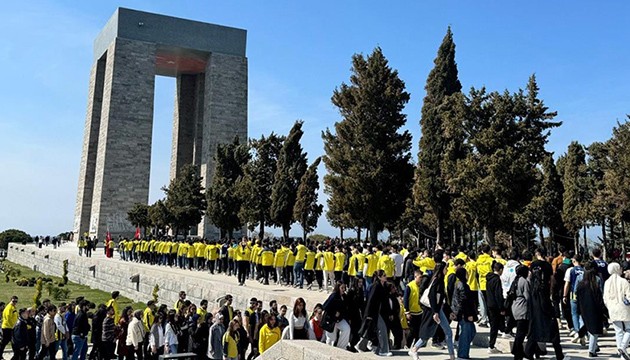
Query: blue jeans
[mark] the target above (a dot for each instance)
(80, 347)
(298, 273)
(466, 336)
(64, 348)
(447, 332)
(592, 343)
(577, 319)
(172, 348)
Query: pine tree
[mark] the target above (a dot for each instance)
(185, 200)
(546, 207)
(307, 210)
(224, 203)
(138, 216)
(290, 169)
(432, 186)
(576, 196)
(367, 158)
(601, 210)
(256, 188)
(159, 216)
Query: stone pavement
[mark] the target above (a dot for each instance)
(113, 274)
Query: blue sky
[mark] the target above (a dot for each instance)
(298, 53)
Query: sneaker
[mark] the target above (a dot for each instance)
(583, 341)
(386, 354)
(507, 336)
(590, 354)
(358, 349)
(484, 325)
(571, 333)
(494, 351)
(624, 354)
(576, 339)
(439, 346)
(413, 354)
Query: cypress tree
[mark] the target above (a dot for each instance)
(307, 211)
(185, 200)
(223, 200)
(432, 185)
(290, 169)
(255, 189)
(368, 161)
(576, 197)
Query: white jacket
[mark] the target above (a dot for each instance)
(509, 274)
(135, 335)
(616, 290)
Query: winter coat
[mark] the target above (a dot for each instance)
(543, 326)
(494, 292)
(463, 303)
(521, 303)
(616, 290)
(590, 306)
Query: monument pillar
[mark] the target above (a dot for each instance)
(224, 116)
(123, 161)
(87, 169)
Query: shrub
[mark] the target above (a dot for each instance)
(38, 293)
(64, 278)
(156, 288)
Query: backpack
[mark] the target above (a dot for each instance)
(511, 294)
(578, 272)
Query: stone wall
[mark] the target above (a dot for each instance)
(111, 274)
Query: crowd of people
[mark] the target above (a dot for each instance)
(410, 296)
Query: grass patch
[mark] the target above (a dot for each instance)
(26, 293)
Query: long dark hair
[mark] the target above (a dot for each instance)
(590, 278)
(295, 310)
(438, 274)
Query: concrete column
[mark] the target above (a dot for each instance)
(90, 144)
(124, 146)
(184, 123)
(224, 116)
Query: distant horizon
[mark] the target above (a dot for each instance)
(298, 54)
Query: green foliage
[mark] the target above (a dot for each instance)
(38, 293)
(307, 210)
(13, 236)
(318, 237)
(155, 292)
(159, 216)
(576, 189)
(9, 271)
(290, 169)
(65, 272)
(138, 216)
(255, 188)
(368, 160)
(431, 186)
(185, 200)
(546, 206)
(224, 202)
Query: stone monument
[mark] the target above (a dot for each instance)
(210, 65)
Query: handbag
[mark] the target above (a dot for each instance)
(424, 299)
(328, 322)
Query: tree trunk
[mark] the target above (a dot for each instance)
(305, 233)
(341, 232)
(373, 233)
(541, 235)
(231, 233)
(623, 240)
(261, 230)
(285, 231)
(438, 230)
(604, 240)
(488, 235)
(585, 242)
(359, 234)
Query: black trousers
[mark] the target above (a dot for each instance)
(48, 351)
(497, 323)
(7, 335)
(319, 276)
(19, 354)
(138, 353)
(414, 329)
(268, 271)
(243, 266)
(522, 327)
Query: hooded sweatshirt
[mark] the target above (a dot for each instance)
(508, 276)
(616, 292)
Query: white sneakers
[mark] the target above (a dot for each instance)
(413, 354)
(386, 354)
(494, 351)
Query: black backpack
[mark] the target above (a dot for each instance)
(511, 294)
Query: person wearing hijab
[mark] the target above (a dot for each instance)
(616, 299)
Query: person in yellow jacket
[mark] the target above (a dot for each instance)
(471, 273)
(371, 265)
(298, 267)
(230, 341)
(266, 260)
(278, 263)
(9, 319)
(411, 304)
(360, 261)
(242, 254)
(113, 302)
(328, 266)
(386, 263)
(340, 260)
(148, 315)
(319, 272)
(269, 334)
(190, 256)
(200, 254)
(484, 267)
(288, 265)
(309, 266)
(425, 262)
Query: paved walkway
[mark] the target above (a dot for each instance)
(606, 343)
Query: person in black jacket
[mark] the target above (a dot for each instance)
(97, 331)
(464, 308)
(336, 309)
(393, 320)
(356, 300)
(80, 332)
(377, 310)
(20, 338)
(495, 304)
(434, 315)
